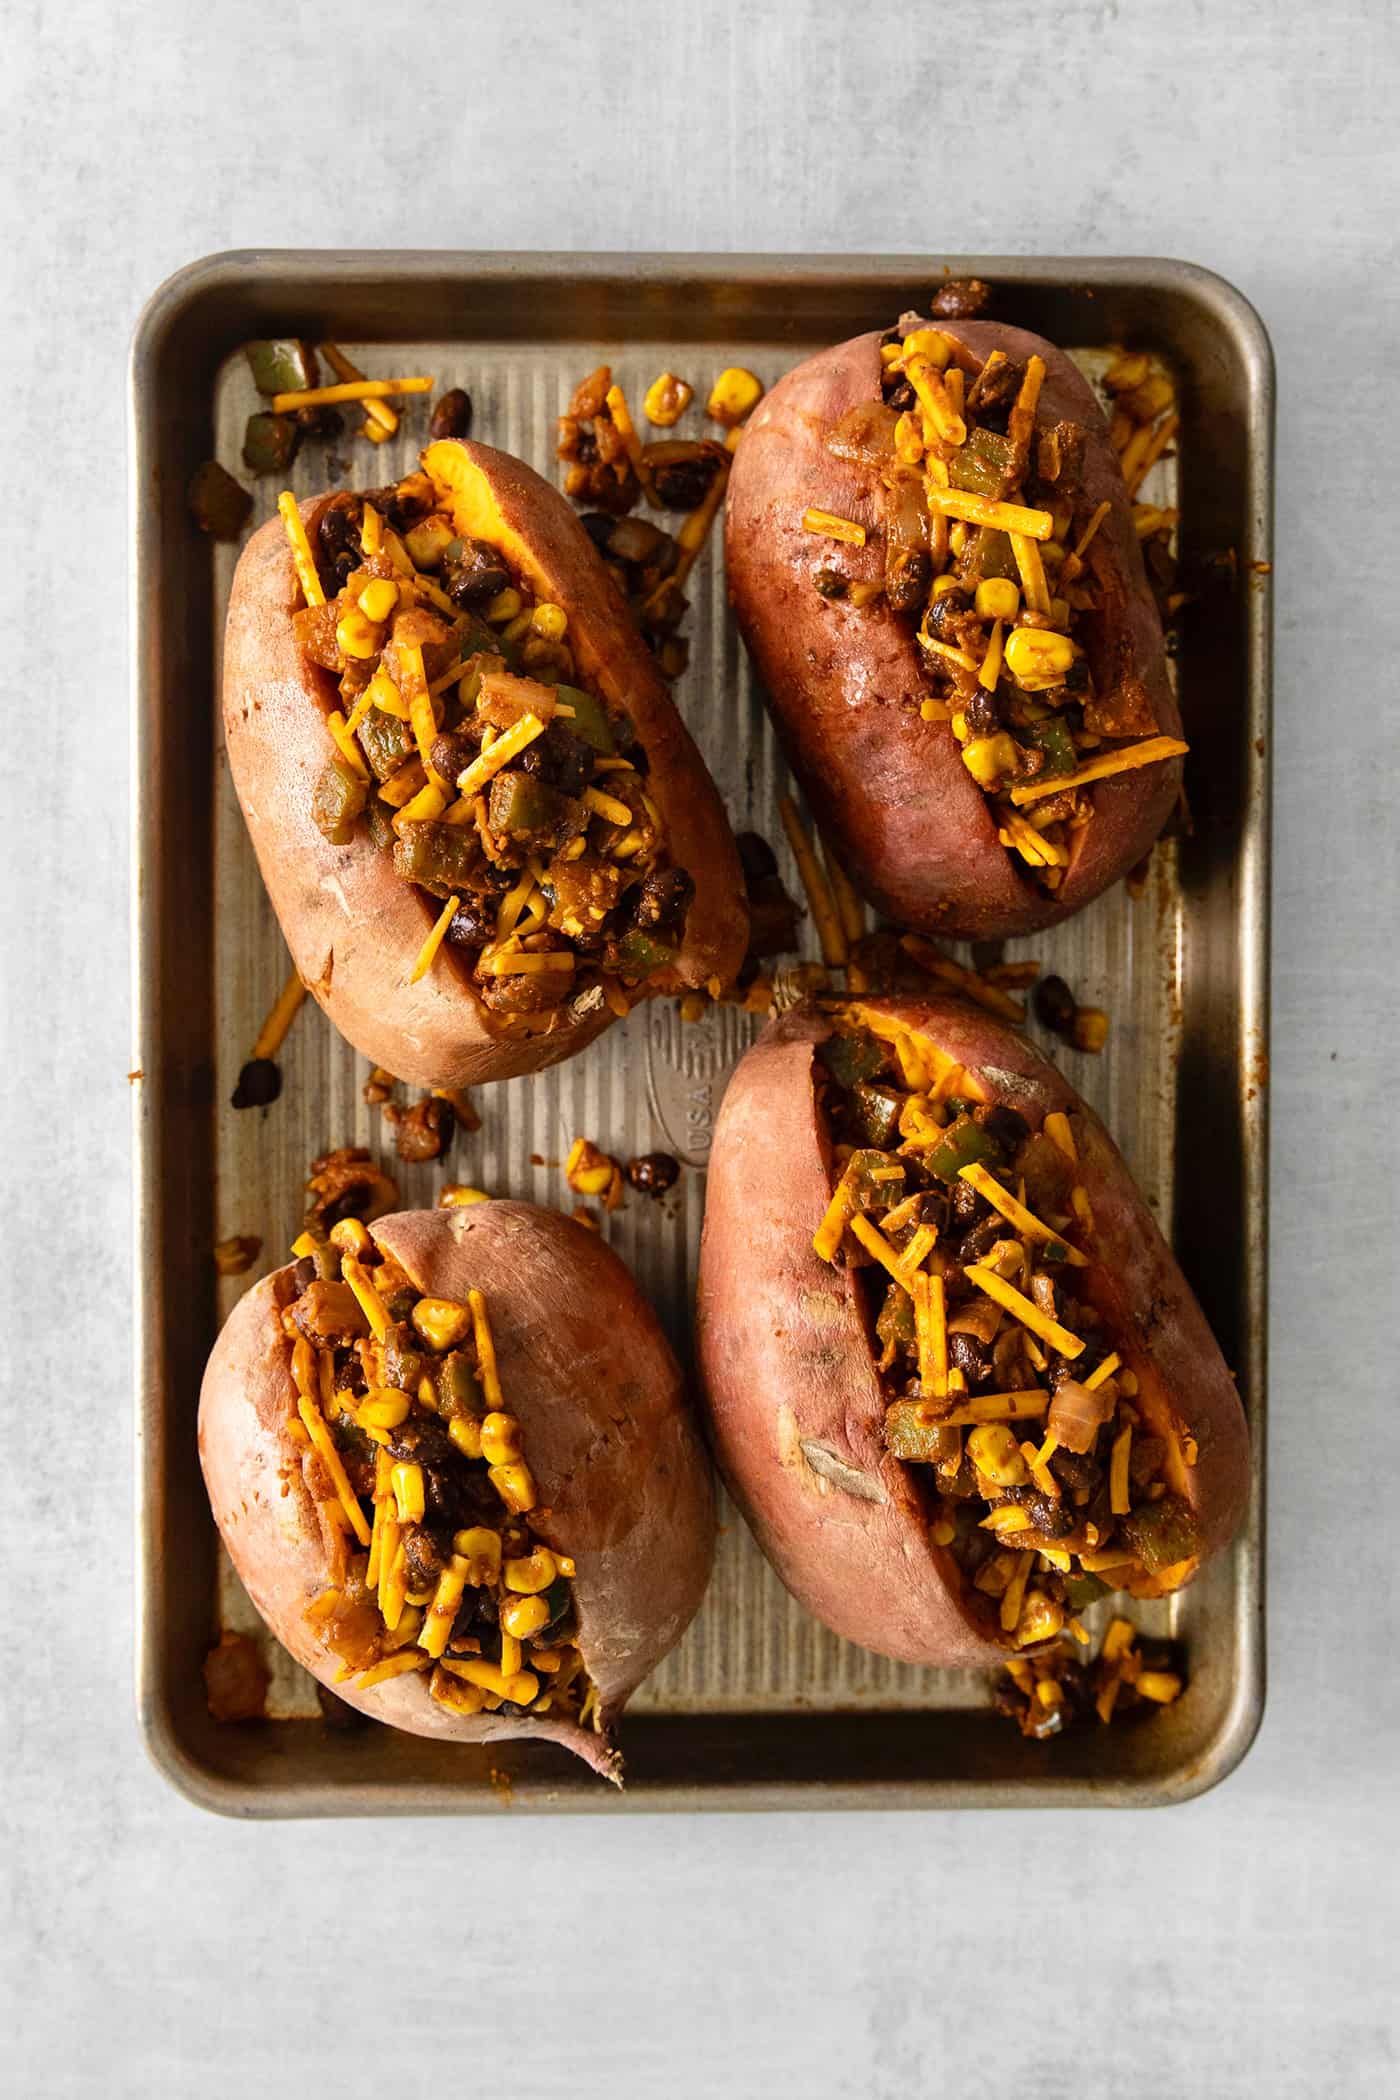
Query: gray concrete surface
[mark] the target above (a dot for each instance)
(1241, 1945)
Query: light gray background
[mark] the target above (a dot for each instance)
(1241, 1944)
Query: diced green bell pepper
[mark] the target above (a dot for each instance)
(270, 443)
(281, 365)
(590, 718)
(339, 798)
(219, 505)
(961, 1144)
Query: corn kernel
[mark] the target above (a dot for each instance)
(550, 622)
(523, 1616)
(500, 1439)
(531, 1574)
(1041, 1619)
(930, 343)
(503, 607)
(466, 1435)
(957, 538)
(1033, 652)
(457, 1195)
(384, 694)
(734, 395)
(1128, 370)
(480, 1549)
(356, 636)
(943, 584)
(1162, 1686)
(406, 1481)
(378, 599)
(351, 1237)
(994, 1451)
(384, 1408)
(1090, 1031)
(997, 598)
(666, 400)
(989, 758)
(441, 1322)
(515, 1484)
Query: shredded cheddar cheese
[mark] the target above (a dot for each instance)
(1025, 1221)
(987, 510)
(1023, 1309)
(303, 559)
(428, 952)
(1148, 752)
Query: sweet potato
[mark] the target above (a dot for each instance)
(845, 682)
(623, 1486)
(786, 1351)
(354, 926)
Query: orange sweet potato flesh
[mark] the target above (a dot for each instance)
(795, 1405)
(890, 791)
(353, 926)
(617, 1461)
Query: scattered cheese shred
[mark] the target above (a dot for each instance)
(1025, 1406)
(1015, 1592)
(1021, 1308)
(397, 1665)
(1056, 1127)
(988, 510)
(345, 743)
(1125, 760)
(369, 1300)
(348, 390)
(302, 556)
(285, 1008)
(1024, 1220)
(874, 1242)
(331, 1459)
(931, 1329)
(1118, 1500)
(827, 1237)
(832, 527)
(429, 949)
(371, 528)
(1104, 1372)
(1032, 570)
(824, 914)
(501, 753)
(486, 1353)
(380, 421)
(604, 805)
(991, 663)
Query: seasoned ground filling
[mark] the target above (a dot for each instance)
(515, 801)
(989, 555)
(1001, 1384)
(424, 1479)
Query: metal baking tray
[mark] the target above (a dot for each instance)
(759, 1707)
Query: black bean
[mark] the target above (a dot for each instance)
(663, 899)
(1055, 1005)
(756, 856)
(907, 579)
(971, 1357)
(599, 526)
(452, 415)
(830, 583)
(259, 1084)
(983, 712)
(653, 1173)
(477, 576)
(960, 299)
(1007, 1125)
(982, 1238)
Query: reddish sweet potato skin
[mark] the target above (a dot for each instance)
(353, 927)
(616, 1457)
(890, 790)
(794, 1402)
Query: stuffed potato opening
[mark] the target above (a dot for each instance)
(425, 1490)
(1046, 1467)
(507, 789)
(992, 556)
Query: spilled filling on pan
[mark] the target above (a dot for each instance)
(1044, 1480)
(514, 800)
(990, 555)
(423, 1479)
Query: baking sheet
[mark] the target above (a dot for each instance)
(752, 1662)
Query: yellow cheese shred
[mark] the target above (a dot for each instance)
(1016, 1213)
(427, 953)
(330, 1458)
(988, 510)
(1023, 1309)
(486, 1353)
(302, 557)
(502, 751)
(1127, 759)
